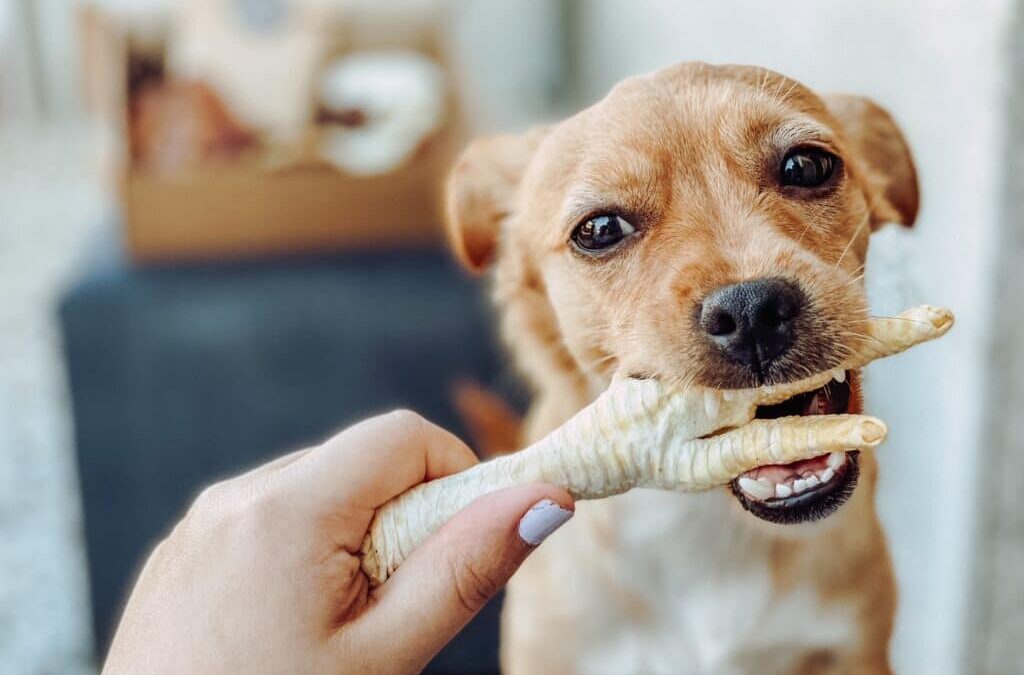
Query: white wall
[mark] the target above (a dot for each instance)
(18, 99)
(59, 56)
(508, 59)
(937, 65)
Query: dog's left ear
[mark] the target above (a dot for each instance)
(481, 192)
(881, 146)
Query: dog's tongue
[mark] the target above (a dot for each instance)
(763, 482)
(833, 398)
(821, 402)
(784, 480)
(781, 473)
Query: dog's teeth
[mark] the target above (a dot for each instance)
(836, 460)
(783, 491)
(712, 404)
(799, 485)
(727, 395)
(812, 482)
(768, 389)
(839, 375)
(755, 488)
(828, 475)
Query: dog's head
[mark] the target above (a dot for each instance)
(703, 225)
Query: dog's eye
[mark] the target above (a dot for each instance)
(601, 232)
(807, 167)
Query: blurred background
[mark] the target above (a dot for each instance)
(219, 240)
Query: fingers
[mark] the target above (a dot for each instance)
(373, 461)
(274, 465)
(448, 579)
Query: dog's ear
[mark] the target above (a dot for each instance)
(481, 193)
(883, 149)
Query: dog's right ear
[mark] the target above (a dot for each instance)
(481, 193)
(881, 144)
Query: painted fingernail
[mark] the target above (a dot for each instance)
(541, 520)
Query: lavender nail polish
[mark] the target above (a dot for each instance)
(541, 520)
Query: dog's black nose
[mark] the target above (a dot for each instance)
(753, 322)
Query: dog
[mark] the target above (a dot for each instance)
(706, 225)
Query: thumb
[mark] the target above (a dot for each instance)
(449, 578)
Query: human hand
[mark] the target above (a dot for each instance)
(262, 574)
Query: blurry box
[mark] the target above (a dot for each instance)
(265, 201)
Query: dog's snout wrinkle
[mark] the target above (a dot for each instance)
(753, 322)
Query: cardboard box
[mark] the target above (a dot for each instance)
(243, 211)
(258, 205)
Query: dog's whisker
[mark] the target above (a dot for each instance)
(804, 232)
(899, 318)
(856, 233)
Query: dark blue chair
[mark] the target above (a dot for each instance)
(182, 375)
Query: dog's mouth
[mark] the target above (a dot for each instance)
(810, 489)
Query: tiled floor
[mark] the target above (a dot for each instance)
(50, 204)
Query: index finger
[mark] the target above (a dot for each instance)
(377, 459)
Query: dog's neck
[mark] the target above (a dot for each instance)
(560, 394)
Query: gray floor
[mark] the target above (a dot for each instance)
(49, 204)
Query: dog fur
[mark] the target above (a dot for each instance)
(666, 583)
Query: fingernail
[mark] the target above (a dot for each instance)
(541, 520)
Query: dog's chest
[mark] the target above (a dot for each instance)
(682, 591)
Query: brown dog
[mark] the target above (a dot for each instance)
(707, 225)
